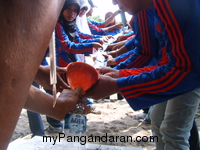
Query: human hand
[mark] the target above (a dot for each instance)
(67, 100)
(111, 47)
(110, 60)
(42, 102)
(97, 45)
(113, 53)
(118, 26)
(43, 78)
(103, 39)
(104, 87)
(110, 37)
(120, 38)
(106, 38)
(109, 72)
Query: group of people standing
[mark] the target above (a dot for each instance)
(162, 68)
(76, 36)
(149, 67)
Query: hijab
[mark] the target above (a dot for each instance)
(82, 21)
(69, 27)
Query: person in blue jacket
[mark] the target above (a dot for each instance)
(114, 31)
(102, 28)
(140, 50)
(68, 42)
(173, 86)
(159, 58)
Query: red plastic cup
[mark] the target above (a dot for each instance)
(81, 74)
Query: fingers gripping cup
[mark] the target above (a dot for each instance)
(81, 74)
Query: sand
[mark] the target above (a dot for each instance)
(114, 118)
(108, 118)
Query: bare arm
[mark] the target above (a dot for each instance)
(122, 50)
(43, 78)
(41, 102)
(105, 86)
(108, 20)
(110, 28)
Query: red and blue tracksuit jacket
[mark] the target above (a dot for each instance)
(86, 36)
(66, 49)
(96, 28)
(180, 24)
(143, 47)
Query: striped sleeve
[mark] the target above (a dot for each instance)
(144, 47)
(71, 47)
(136, 71)
(87, 36)
(98, 24)
(122, 58)
(94, 29)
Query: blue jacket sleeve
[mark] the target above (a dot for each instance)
(130, 47)
(86, 36)
(94, 29)
(63, 42)
(130, 44)
(145, 42)
(97, 23)
(78, 39)
(122, 58)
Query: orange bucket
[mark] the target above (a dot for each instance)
(81, 74)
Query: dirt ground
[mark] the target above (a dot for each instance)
(114, 118)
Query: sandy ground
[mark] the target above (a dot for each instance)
(114, 118)
(111, 118)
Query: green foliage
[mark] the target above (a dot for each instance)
(96, 18)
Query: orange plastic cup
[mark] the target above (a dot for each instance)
(81, 74)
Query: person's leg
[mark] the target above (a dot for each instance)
(157, 116)
(120, 96)
(194, 137)
(24, 23)
(147, 117)
(89, 102)
(142, 117)
(178, 120)
(53, 122)
(55, 126)
(145, 110)
(35, 123)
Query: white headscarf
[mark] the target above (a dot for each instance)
(82, 21)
